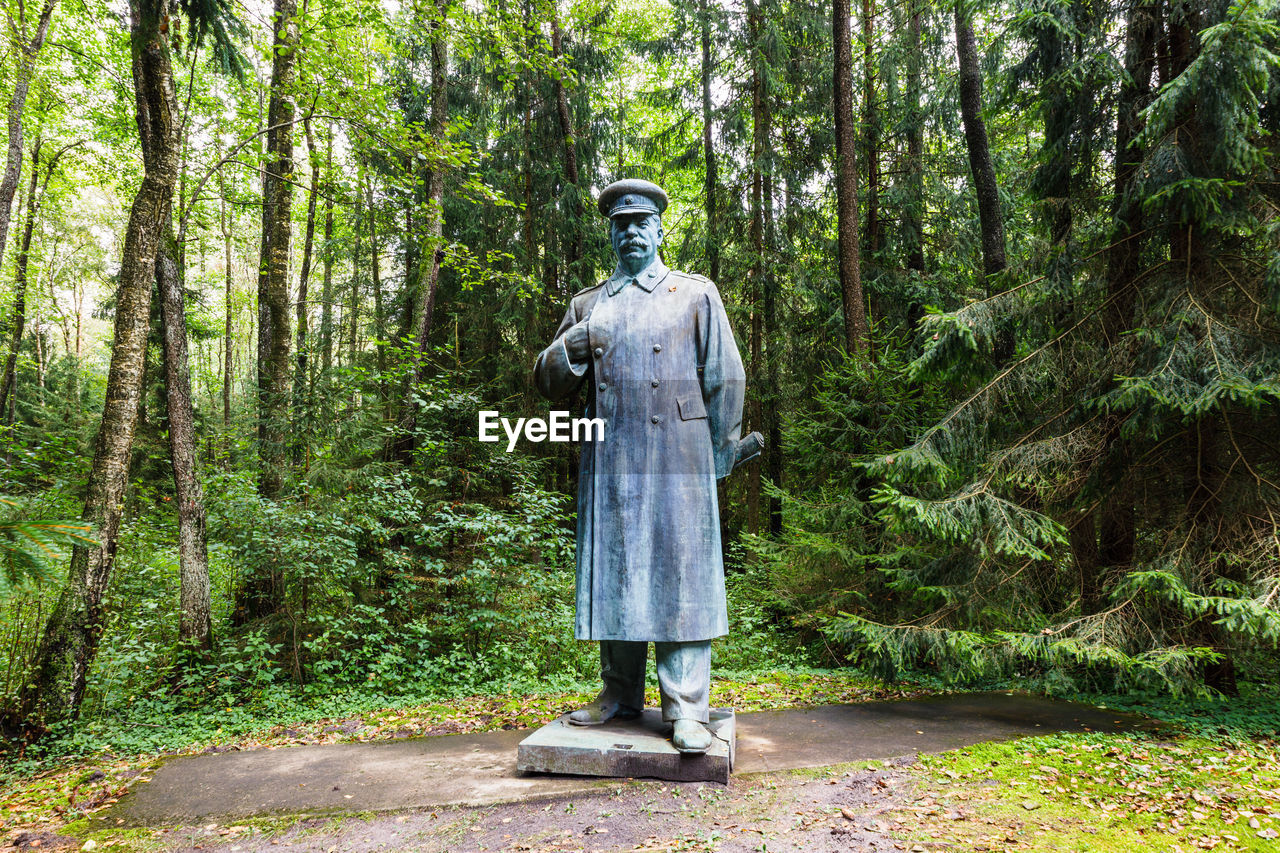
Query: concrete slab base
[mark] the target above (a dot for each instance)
(640, 747)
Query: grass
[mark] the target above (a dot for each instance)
(1100, 792)
(1210, 780)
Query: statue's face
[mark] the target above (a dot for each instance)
(636, 238)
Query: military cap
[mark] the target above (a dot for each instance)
(632, 196)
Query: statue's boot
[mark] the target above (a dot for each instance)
(691, 736)
(602, 710)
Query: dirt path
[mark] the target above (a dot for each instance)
(479, 770)
(800, 811)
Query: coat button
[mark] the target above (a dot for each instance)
(657, 347)
(602, 386)
(599, 352)
(657, 419)
(654, 383)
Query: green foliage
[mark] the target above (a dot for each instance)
(1224, 85)
(27, 548)
(216, 21)
(408, 575)
(1062, 475)
(1095, 510)
(1252, 715)
(835, 553)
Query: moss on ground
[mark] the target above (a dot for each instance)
(1099, 792)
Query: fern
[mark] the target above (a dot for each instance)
(27, 548)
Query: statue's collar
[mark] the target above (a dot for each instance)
(649, 278)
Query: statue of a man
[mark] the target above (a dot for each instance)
(654, 347)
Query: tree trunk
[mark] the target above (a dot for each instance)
(273, 273)
(712, 237)
(300, 373)
(415, 198)
(771, 423)
(67, 649)
(228, 341)
(870, 119)
(27, 51)
(759, 146)
(913, 212)
(79, 298)
(260, 596)
(1124, 256)
(326, 291)
(573, 248)
(1206, 467)
(1205, 476)
(1117, 526)
(18, 316)
(975, 136)
(857, 334)
(196, 623)
(424, 301)
(353, 311)
(527, 92)
(41, 362)
(375, 279)
(1053, 176)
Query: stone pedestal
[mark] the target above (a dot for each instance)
(640, 747)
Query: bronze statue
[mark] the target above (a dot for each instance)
(661, 367)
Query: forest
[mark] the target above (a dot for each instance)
(1004, 275)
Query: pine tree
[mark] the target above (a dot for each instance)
(1164, 370)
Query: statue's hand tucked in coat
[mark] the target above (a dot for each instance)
(577, 343)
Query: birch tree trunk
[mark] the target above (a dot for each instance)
(28, 48)
(67, 648)
(196, 622)
(18, 314)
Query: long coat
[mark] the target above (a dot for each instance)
(666, 377)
